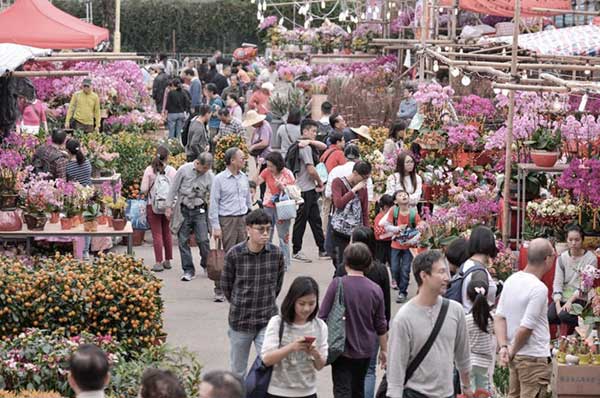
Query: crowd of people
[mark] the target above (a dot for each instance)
(444, 340)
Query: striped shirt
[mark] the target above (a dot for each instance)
(81, 173)
(234, 127)
(480, 343)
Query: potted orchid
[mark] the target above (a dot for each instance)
(90, 215)
(11, 163)
(101, 158)
(117, 208)
(465, 138)
(37, 194)
(550, 216)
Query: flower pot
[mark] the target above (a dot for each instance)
(572, 359)
(102, 220)
(138, 237)
(90, 226)
(8, 201)
(596, 359)
(35, 222)
(544, 158)
(66, 223)
(109, 220)
(585, 359)
(561, 357)
(54, 217)
(10, 221)
(75, 220)
(118, 224)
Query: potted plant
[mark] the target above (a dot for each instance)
(117, 208)
(545, 146)
(10, 166)
(90, 215)
(37, 195)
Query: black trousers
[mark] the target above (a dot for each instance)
(308, 212)
(348, 376)
(279, 396)
(340, 242)
(564, 316)
(383, 251)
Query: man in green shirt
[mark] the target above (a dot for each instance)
(84, 109)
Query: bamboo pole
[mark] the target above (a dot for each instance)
(528, 66)
(499, 57)
(91, 54)
(105, 58)
(424, 30)
(48, 73)
(561, 12)
(524, 87)
(509, 131)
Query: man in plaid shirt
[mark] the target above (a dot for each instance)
(228, 125)
(251, 281)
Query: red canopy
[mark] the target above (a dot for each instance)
(38, 23)
(506, 8)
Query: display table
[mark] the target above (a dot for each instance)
(51, 230)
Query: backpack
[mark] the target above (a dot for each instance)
(345, 220)
(185, 131)
(322, 168)
(323, 131)
(292, 158)
(455, 288)
(160, 192)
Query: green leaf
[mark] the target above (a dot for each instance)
(576, 309)
(591, 320)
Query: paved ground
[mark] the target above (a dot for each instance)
(192, 319)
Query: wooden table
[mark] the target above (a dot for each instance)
(55, 230)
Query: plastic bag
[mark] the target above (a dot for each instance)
(136, 213)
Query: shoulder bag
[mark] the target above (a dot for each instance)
(259, 376)
(336, 325)
(416, 362)
(215, 262)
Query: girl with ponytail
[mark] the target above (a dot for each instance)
(79, 169)
(480, 328)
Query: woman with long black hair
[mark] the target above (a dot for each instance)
(406, 178)
(177, 104)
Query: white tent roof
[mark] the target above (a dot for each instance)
(14, 55)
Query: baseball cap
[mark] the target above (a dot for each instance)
(351, 151)
(87, 82)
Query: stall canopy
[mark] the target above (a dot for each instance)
(576, 40)
(14, 55)
(38, 23)
(506, 8)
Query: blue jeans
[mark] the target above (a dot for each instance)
(401, 261)
(283, 232)
(197, 222)
(371, 376)
(175, 123)
(239, 349)
(87, 245)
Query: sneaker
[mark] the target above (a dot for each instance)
(219, 298)
(166, 264)
(324, 256)
(158, 267)
(401, 298)
(301, 257)
(188, 276)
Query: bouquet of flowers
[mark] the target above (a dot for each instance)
(551, 216)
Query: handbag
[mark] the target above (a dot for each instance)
(285, 209)
(336, 325)
(215, 262)
(416, 362)
(259, 376)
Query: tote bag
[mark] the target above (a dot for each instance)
(215, 262)
(259, 376)
(336, 325)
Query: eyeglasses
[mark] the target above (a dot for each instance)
(262, 230)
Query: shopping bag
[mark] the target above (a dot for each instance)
(136, 214)
(215, 262)
(285, 209)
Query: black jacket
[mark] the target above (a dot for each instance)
(158, 87)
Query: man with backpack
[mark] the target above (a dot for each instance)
(428, 336)
(187, 207)
(325, 128)
(51, 158)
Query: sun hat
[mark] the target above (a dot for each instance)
(268, 86)
(253, 117)
(363, 131)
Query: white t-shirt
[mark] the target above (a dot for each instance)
(492, 289)
(524, 302)
(295, 375)
(394, 184)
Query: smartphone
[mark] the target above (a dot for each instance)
(309, 339)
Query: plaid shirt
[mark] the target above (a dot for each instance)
(251, 282)
(52, 160)
(235, 127)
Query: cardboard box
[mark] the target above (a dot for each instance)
(575, 381)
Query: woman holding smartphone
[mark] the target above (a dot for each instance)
(302, 350)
